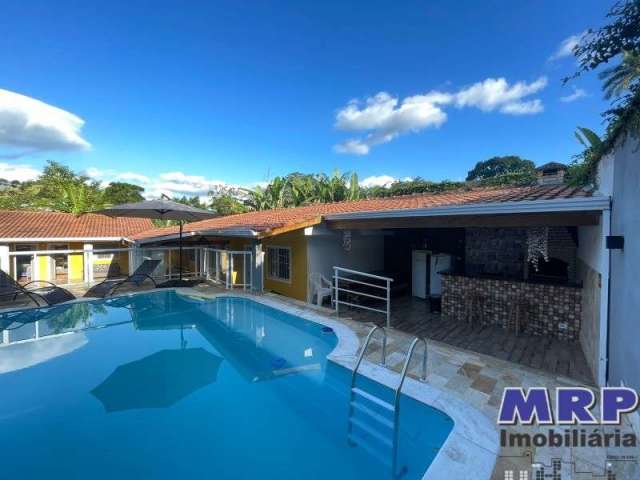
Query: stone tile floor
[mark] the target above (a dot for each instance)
(412, 315)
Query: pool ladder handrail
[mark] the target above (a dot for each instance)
(383, 353)
(405, 368)
(398, 390)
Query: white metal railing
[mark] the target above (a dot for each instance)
(344, 281)
(230, 268)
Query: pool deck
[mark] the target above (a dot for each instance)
(464, 379)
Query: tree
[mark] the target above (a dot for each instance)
(601, 46)
(582, 170)
(620, 78)
(122, 192)
(498, 166)
(62, 190)
(227, 205)
(193, 201)
(621, 83)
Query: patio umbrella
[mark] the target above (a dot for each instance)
(159, 380)
(161, 209)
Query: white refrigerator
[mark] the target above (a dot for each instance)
(425, 268)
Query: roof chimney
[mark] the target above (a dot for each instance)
(551, 173)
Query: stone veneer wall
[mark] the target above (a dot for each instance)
(554, 310)
(501, 251)
(495, 251)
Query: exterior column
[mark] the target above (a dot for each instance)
(257, 266)
(88, 262)
(132, 259)
(603, 340)
(4, 259)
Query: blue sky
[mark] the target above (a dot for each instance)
(240, 91)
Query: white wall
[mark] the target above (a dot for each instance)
(605, 174)
(325, 251)
(590, 246)
(589, 272)
(624, 308)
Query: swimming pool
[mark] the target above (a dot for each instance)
(160, 385)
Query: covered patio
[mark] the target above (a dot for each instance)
(413, 316)
(522, 281)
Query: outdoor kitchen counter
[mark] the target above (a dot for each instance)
(543, 308)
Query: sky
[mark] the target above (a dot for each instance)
(182, 96)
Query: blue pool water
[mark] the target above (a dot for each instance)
(164, 386)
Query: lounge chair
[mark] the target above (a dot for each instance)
(109, 286)
(48, 294)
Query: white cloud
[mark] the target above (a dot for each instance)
(378, 181)
(21, 173)
(94, 173)
(572, 97)
(565, 49)
(30, 125)
(382, 118)
(133, 177)
(494, 93)
(385, 117)
(523, 108)
(172, 184)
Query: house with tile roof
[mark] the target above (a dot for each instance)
(525, 259)
(60, 238)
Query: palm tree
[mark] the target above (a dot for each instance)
(582, 170)
(620, 78)
(354, 187)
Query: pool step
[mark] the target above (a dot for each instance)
(372, 432)
(361, 442)
(373, 399)
(372, 414)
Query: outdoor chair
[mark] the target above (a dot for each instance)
(321, 287)
(109, 286)
(48, 294)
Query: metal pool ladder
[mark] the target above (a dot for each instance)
(384, 415)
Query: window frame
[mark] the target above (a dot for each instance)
(271, 249)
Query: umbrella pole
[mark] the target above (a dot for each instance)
(180, 243)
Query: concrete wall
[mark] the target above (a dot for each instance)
(624, 308)
(326, 251)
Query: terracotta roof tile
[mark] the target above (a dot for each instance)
(266, 220)
(35, 224)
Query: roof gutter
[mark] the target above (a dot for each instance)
(63, 239)
(580, 204)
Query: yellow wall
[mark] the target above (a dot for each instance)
(297, 287)
(76, 264)
(42, 265)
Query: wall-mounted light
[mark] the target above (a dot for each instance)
(615, 242)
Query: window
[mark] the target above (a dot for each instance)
(279, 263)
